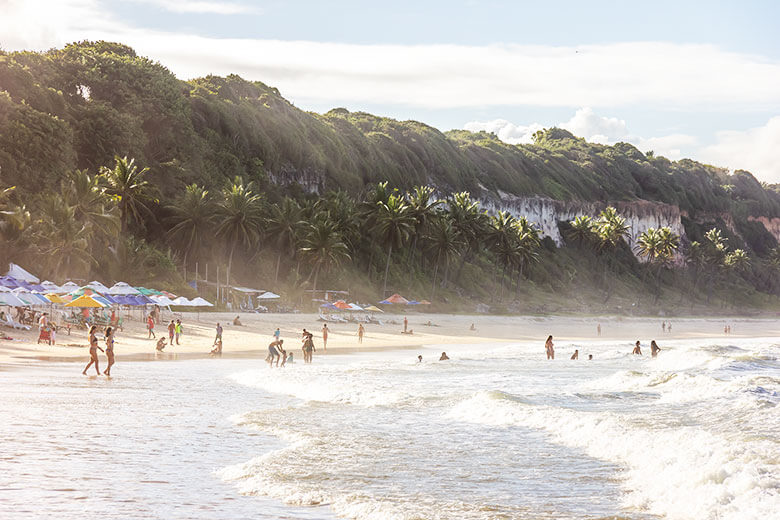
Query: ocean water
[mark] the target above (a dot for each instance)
(497, 432)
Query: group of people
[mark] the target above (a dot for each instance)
(666, 326)
(549, 348)
(94, 347)
(175, 331)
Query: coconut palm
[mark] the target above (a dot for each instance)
(611, 229)
(581, 230)
(239, 218)
(527, 240)
(91, 203)
(192, 216)
(658, 247)
(62, 239)
(285, 224)
(469, 221)
(394, 223)
(322, 246)
(422, 206)
(132, 192)
(501, 240)
(443, 242)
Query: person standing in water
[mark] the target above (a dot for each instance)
(654, 348)
(550, 348)
(637, 350)
(361, 331)
(444, 357)
(109, 350)
(93, 348)
(576, 354)
(325, 336)
(273, 352)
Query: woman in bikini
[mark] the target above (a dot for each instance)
(93, 348)
(549, 347)
(109, 350)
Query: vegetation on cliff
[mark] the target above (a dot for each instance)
(121, 170)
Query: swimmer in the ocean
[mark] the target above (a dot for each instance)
(637, 350)
(654, 348)
(419, 358)
(549, 347)
(444, 357)
(576, 354)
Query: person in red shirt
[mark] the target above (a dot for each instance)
(150, 326)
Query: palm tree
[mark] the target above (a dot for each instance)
(285, 224)
(239, 218)
(442, 241)
(322, 246)
(527, 240)
(611, 229)
(582, 230)
(192, 217)
(422, 206)
(62, 239)
(501, 240)
(91, 203)
(658, 246)
(127, 184)
(468, 221)
(394, 223)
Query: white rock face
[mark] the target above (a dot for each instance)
(546, 213)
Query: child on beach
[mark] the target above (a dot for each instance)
(150, 326)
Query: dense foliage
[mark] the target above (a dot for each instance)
(121, 170)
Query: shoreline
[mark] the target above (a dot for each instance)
(250, 339)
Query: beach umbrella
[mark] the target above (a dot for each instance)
(268, 295)
(85, 301)
(55, 298)
(396, 298)
(183, 302)
(20, 274)
(412, 302)
(354, 307)
(373, 308)
(68, 287)
(9, 298)
(3, 288)
(97, 287)
(341, 305)
(50, 287)
(200, 302)
(122, 289)
(162, 300)
(328, 305)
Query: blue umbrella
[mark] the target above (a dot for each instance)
(329, 306)
(385, 302)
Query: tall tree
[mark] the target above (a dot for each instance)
(323, 247)
(192, 217)
(285, 224)
(394, 223)
(239, 218)
(611, 229)
(469, 221)
(443, 242)
(658, 246)
(127, 184)
(527, 241)
(422, 207)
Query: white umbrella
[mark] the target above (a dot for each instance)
(200, 302)
(268, 295)
(355, 307)
(97, 286)
(163, 300)
(69, 287)
(20, 274)
(182, 302)
(9, 298)
(123, 289)
(50, 287)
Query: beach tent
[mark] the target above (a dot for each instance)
(200, 302)
(354, 307)
(396, 298)
(122, 289)
(268, 295)
(373, 308)
(341, 305)
(20, 274)
(85, 301)
(181, 301)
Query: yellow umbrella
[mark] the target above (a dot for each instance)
(373, 308)
(55, 298)
(85, 301)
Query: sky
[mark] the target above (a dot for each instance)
(681, 78)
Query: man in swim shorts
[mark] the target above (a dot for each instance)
(273, 353)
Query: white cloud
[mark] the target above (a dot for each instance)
(594, 128)
(755, 150)
(432, 76)
(506, 131)
(199, 7)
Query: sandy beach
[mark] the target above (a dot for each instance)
(252, 338)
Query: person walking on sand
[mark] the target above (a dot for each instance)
(325, 336)
(361, 331)
(93, 348)
(150, 326)
(663, 326)
(406, 324)
(277, 334)
(654, 348)
(550, 348)
(171, 332)
(109, 350)
(219, 333)
(178, 330)
(637, 349)
(598, 329)
(576, 354)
